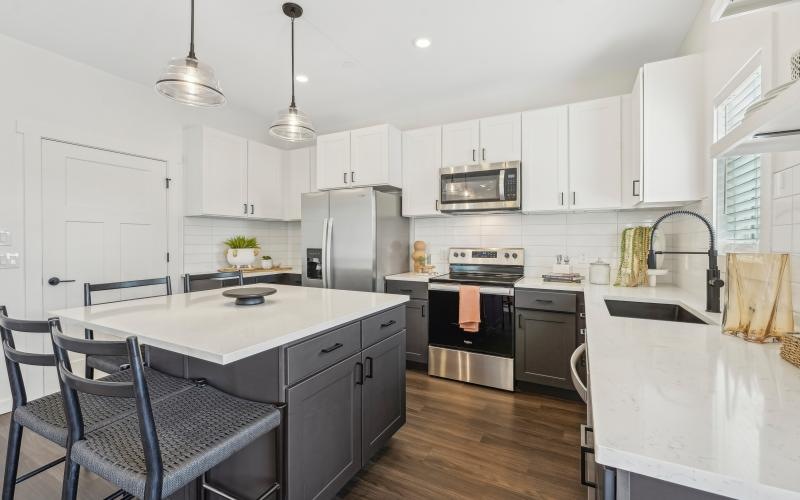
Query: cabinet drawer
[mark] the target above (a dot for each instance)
(312, 356)
(546, 301)
(382, 326)
(414, 289)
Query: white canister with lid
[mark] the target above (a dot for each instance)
(599, 273)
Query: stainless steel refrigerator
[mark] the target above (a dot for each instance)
(353, 238)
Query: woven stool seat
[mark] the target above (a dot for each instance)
(197, 429)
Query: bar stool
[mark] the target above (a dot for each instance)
(111, 364)
(223, 279)
(166, 444)
(45, 416)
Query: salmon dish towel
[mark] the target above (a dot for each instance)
(469, 308)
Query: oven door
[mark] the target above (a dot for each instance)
(473, 188)
(496, 334)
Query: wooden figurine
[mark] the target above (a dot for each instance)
(419, 257)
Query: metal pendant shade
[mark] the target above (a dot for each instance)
(293, 125)
(189, 81)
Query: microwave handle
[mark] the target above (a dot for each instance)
(502, 185)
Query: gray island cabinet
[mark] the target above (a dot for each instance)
(336, 359)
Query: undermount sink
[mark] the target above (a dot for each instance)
(652, 310)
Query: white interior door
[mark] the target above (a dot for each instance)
(104, 219)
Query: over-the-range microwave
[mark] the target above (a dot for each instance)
(480, 188)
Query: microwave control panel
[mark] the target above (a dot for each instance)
(510, 188)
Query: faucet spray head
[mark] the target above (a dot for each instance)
(651, 259)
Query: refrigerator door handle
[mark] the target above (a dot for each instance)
(329, 250)
(324, 257)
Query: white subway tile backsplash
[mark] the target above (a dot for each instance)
(782, 211)
(782, 238)
(782, 183)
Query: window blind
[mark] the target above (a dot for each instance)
(739, 185)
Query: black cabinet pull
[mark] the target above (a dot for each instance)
(245, 208)
(388, 323)
(368, 362)
(633, 190)
(360, 379)
(406, 290)
(55, 280)
(252, 209)
(544, 301)
(584, 451)
(332, 348)
(519, 321)
(423, 310)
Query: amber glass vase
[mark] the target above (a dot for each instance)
(758, 298)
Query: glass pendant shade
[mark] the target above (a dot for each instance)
(191, 82)
(293, 125)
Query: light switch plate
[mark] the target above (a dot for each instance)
(5, 237)
(9, 260)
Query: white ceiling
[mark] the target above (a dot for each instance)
(487, 57)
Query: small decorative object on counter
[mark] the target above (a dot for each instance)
(790, 350)
(562, 278)
(795, 64)
(599, 272)
(242, 251)
(419, 256)
(266, 262)
(758, 298)
(559, 268)
(634, 246)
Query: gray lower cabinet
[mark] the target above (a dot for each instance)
(544, 342)
(417, 326)
(383, 396)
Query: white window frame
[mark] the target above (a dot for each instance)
(765, 218)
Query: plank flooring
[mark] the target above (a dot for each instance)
(460, 441)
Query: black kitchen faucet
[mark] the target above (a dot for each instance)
(713, 281)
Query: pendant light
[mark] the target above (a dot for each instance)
(189, 81)
(292, 125)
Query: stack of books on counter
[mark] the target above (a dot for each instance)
(563, 277)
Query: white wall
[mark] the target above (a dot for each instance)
(727, 46)
(45, 91)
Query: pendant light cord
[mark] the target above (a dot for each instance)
(191, 35)
(291, 105)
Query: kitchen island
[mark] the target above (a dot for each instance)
(335, 357)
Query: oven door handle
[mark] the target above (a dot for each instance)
(485, 290)
(580, 387)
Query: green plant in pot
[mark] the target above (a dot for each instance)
(266, 262)
(242, 251)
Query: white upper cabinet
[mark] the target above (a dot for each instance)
(215, 166)
(595, 154)
(492, 139)
(297, 180)
(264, 181)
(333, 160)
(363, 157)
(375, 157)
(422, 159)
(461, 143)
(667, 134)
(545, 159)
(500, 138)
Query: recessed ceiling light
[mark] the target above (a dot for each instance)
(422, 43)
(301, 78)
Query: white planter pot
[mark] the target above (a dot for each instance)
(266, 264)
(241, 256)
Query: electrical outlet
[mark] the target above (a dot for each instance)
(5, 237)
(9, 260)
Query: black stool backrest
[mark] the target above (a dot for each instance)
(188, 279)
(14, 357)
(88, 288)
(137, 389)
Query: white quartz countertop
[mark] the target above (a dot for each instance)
(421, 277)
(211, 327)
(689, 405)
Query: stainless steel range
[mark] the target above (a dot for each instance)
(485, 357)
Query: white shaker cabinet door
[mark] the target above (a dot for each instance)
(545, 159)
(595, 153)
(460, 143)
(500, 138)
(375, 156)
(422, 159)
(264, 181)
(333, 160)
(216, 172)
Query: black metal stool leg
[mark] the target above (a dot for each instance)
(12, 459)
(69, 487)
(89, 372)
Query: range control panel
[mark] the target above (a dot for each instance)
(494, 256)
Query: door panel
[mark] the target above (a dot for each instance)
(417, 330)
(496, 334)
(422, 159)
(460, 143)
(545, 341)
(353, 239)
(545, 159)
(104, 219)
(333, 160)
(264, 181)
(369, 156)
(224, 173)
(383, 393)
(314, 210)
(500, 138)
(324, 433)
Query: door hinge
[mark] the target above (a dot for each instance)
(167, 181)
(167, 256)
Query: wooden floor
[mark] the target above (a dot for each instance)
(460, 441)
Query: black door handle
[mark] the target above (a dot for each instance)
(332, 348)
(369, 366)
(360, 379)
(55, 281)
(388, 323)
